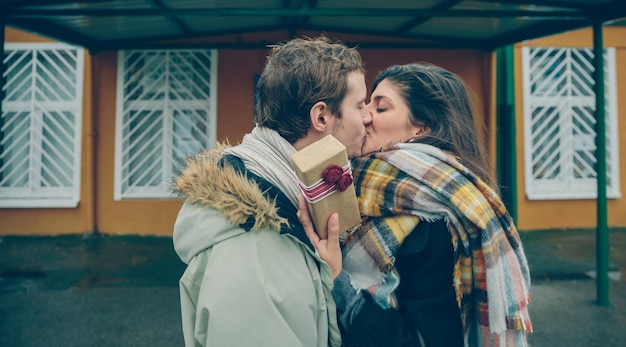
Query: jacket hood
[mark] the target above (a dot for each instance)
(220, 202)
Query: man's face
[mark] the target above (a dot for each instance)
(350, 128)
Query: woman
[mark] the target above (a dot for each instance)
(437, 260)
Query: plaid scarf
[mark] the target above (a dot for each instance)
(408, 182)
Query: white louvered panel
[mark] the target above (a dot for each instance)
(143, 151)
(189, 125)
(190, 77)
(57, 150)
(41, 126)
(547, 77)
(167, 113)
(610, 101)
(546, 147)
(581, 72)
(15, 144)
(559, 112)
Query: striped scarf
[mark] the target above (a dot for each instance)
(408, 182)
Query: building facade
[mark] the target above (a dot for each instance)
(91, 142)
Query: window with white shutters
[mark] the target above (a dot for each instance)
(166, 111)
(40, 125)
(559, 121)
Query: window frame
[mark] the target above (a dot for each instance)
(571, 188)
(163, 190)
(35, 196)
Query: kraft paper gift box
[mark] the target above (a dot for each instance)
(327, 157)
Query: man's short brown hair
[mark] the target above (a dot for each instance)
(299, 73)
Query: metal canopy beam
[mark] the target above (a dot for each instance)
(321, 12)
(425, 41)
(50, 29)
(179, 23)
(547, 3)
(30, 3)
(538, 30)
(446, 5)
(522, 20)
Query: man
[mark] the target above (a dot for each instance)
(253, 278)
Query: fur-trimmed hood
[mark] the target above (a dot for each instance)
(218, 200)
(205, 182)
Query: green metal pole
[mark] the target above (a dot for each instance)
(512, 129)
(506, 129)
(602, 231)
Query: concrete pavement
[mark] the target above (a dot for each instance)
(564, 307)
(123, 291)
(97, 291)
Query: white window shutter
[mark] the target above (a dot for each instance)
(559, 121)
(40, 126)
(166, 111)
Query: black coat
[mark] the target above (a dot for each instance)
(426, 297)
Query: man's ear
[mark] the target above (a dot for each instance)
(319, 117)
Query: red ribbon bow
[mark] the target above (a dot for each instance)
(334, 178)
(335, 174)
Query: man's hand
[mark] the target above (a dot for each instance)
(328, 249)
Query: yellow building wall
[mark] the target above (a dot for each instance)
(119, 217)
(236, 70)
(568, 214)
(98, 211)
(235, 102)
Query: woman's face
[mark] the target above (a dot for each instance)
(390, 118)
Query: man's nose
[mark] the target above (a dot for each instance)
(367, 116)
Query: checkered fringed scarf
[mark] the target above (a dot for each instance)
(411, 181)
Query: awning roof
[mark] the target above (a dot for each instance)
(121, 24)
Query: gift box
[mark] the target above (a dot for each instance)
(326, 182)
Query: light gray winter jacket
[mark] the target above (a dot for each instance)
(252, 278)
